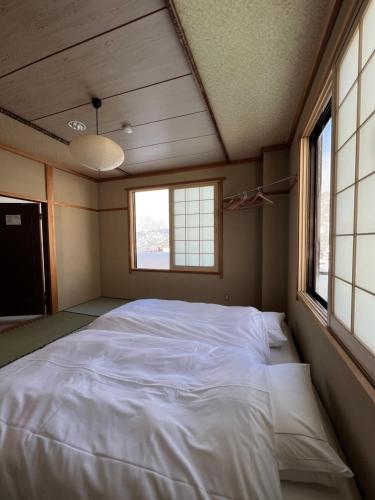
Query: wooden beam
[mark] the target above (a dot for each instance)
(178, 183)
(51, 238)
(22, 197)
(178, 170)
(72, 205)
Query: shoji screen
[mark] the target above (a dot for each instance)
(194, 220)
(353, 287)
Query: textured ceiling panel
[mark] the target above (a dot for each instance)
(254, 58)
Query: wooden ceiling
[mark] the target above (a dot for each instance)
(56, 55)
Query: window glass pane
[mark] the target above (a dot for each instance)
(343, 302)
(207, 206)
(193, 220)
(367, 147)
(207, 193)
(345, 211)
(207, 220)
(346, 165)
(323, 193)
(193, 246)
(207, 233)
(179, 234)
(366, 205)
(192, 259)
(179, 259)
(347, 117)
(179, 208)
(179, 221)
(207, 247)
(179, 246)
(344, 257)
(179, 194)
(192, 194)
(368, 32)
(364, 318)
(193, 233)
(365, 258)
(192, 207)
(152, 229)
(348, 68)
(367, 90)
(207, 260)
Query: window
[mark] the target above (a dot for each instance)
(175, 228)
(319, 217)
(353, 286)
(336, 275)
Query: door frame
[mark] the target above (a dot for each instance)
(49, 242)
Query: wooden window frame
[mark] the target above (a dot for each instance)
(352, 350)
(324, 118)
(305, 209)
(218, 213)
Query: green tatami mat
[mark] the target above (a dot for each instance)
(27, 338)
(98, 306)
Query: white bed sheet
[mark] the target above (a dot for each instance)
(116, 360)
(108, 415)
(210, 323)
(303, 491)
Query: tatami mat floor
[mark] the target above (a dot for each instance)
(26, 338)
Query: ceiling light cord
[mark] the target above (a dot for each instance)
(97, 126)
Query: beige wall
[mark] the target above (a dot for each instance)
(77, 255)
(77, 239)
(345, 398)
(275, 233)
(77, 230)
(21, 176)
(242, 246)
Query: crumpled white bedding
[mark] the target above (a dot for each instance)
(103, 414)
(210, 323)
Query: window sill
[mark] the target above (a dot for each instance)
(174, 271)
(320, 315)
(315, 307)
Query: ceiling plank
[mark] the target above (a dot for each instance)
(159, 102)
(176, 162)
(174, 129)
(138, 54)
(206, 144)
(34, 30)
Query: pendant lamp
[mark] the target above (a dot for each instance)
(96, 151)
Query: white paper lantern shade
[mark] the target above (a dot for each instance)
(97, 152)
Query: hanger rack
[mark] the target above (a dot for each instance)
(257, 196)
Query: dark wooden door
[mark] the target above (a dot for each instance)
(21, 260)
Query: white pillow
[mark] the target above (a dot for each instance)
(303, 452)
(272, 322)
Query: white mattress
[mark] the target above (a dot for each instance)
(303, 491)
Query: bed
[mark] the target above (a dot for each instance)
(145, 403)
